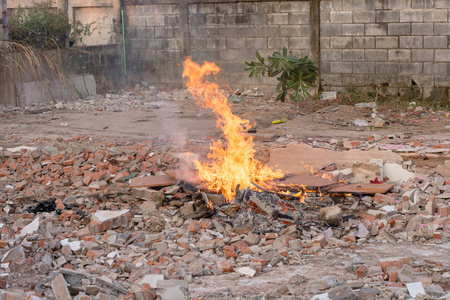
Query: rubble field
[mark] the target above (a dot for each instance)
(99, 199)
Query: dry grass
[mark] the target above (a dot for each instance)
(26, 62)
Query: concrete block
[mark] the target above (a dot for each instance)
(173, 55)
(247, 8)
(305, 30)
(399, 4)
(376, 29)
(441, 3)
(235, 43)
(417, 4)
(410, 68)
(325, 43)
(411, 42)
(386, 68)
(331, 29)
(212, 20)
(399, 55)
(364, 16)
(332, 79)
(411, 16)
(399, 29)
(376, 55)
(268, 31)
(340, 16)
(298, 18)
(378, 79)
(143, 10)
(291, 30)
(341, 42)
(442, 81)
(247, 31)
(422, 55)
(163, 9)
(422, 28)
(294, 6)
(361, 4)
(364, 68)
(353, 55)
(423, 81)
(352, 29)
(435, 15)
(328, 5)
(435, 68)
(331, 54)
(140, 21)
(341, 67)
(36, 92)
(435, 42)
(325, 17)
(274, 43)
(164, 32)
(400, 81)
(261, 43)
(441, 29)
(442, 55)
(278, 19)
(148, 32)
(268, 7)
(216, 43)
(155, 20)
(204, 8)
(226, 8)
(363, 42)
(387, 16)
(325, 67)
(299, 43)
(194, 20)
(387, 42)
(354, 80)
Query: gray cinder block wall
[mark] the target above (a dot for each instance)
(394, 45)
(397, 46)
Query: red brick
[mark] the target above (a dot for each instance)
(394, 261)
(225, 267)
(229, 252)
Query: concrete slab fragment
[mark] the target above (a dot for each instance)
(395, 172)
(299, 159)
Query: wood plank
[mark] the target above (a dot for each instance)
(152, 181)
(299, 180)
(362, 188)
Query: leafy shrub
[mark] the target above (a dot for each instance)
(295, 75)
(44, 27)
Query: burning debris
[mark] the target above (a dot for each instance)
(84, 219)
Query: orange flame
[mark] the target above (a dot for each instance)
(233, 162)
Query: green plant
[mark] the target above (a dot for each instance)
(295, 75)
(45, 27)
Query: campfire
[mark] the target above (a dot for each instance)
(233, 162)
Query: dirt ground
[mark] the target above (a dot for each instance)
(177, 118)
(177, 122)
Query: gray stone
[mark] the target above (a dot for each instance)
(331, 215)
(442, 55)
(342, 293)
(322, 283)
